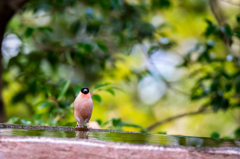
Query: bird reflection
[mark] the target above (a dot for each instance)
(82, 134)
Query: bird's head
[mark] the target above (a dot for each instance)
(85, 90)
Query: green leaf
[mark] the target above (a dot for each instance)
(215, 135)
(119, 89)
(215, 85)
(153, 49)
(228, 87)
(238, 18)
(12, 120)
(103, 47)
(227, 137)
(105, 123)
(64, 90)
(99, 121)
(131, 125)
(144, 131)
(46, 104)
(164, 133)
(110, 91)
(224, 104)
(69, 58)
(97, 97)
(19, 96)
(37, 116)
(237, 32)
(211, 29)
(84, 47)
(58, 110)
(29, 32)
(25, 122)
(237, 87)
(161, 4)
(93, 27)
(75, 26)
(101, 85)
(227, 30)
(237, 134)
(46, 30)
(116, 122)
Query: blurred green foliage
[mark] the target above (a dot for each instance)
(215, 135)
(67, 44)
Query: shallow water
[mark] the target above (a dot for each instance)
(136, 138)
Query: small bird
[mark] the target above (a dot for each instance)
(83, 107)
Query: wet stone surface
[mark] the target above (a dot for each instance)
(135, 145)
(114, 136)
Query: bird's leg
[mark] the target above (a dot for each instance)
(77, 126)
(80, 125)
(87, 128)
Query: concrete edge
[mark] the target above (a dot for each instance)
(119, 145)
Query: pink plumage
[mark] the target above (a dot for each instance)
(83, 107)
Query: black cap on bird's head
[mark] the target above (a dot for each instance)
(85, 90)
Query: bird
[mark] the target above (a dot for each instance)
(83, 106)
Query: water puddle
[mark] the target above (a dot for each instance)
(114, 136)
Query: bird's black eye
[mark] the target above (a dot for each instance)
(85, 90)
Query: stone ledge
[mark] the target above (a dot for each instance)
(57, 128)
(49, 148)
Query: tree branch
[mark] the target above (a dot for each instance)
(202, 110)
(217, 12)
(232, 3)
(219, 16)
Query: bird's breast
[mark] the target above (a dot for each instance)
(83, 108)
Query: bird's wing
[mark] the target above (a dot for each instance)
(89, 110)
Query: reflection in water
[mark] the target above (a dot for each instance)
(82, 134)
(106, 135)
